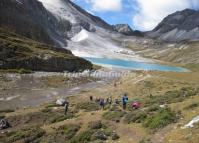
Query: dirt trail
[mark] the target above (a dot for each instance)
(30, 92)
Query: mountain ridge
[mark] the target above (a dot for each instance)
(178, 26)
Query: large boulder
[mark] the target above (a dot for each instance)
(61, 102)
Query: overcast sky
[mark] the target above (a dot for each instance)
(139, 14)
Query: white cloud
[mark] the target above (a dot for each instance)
(151, 12)
(105, 5)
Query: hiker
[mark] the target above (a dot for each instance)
(110, 100)
(4, 124)
(124, 101)
(136, 105)
(102, 104)
(66, 105)
(91, 98)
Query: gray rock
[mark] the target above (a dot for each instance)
(115, 136)
(61, 102)
(99, 135)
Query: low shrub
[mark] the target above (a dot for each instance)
(83, 137)
(114, 115)
(7, 111)
(153, 108)
(160, 119)
(135, 117)
(59, 118)
(24, 71)
(192, 106)
(28, 135)
(19, 71)
(96, 132)
(145, 141)
(46, 110)
(171, 97)
(68, 131)
(50, 105)
(95, 125)
(88, 106)
(108, 131)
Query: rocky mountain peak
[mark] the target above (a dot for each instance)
(181, 25)
(126, 30)
(123, 28)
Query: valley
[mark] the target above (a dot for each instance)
(64, 73)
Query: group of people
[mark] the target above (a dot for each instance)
(109, 101)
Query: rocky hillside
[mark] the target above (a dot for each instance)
(79, 18)
(30, 19)
(181, 25)
(18, 52)
(51, 22)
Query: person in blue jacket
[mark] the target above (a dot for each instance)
(124, 101)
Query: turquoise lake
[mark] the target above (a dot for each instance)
(134, 65)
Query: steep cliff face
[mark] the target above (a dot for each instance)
(181, 25)
(78, 17)
(30, 19)
(48, 21)
(18, 52)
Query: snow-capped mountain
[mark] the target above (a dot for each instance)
(63, 23)
(89, 36)
(79, 18)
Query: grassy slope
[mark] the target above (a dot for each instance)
(17, 48)
(27, 47)
(164, 128)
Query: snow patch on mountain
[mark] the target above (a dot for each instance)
(59, 9)
(81, 36)
(89, 36)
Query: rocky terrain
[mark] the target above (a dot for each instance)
(30, 19)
